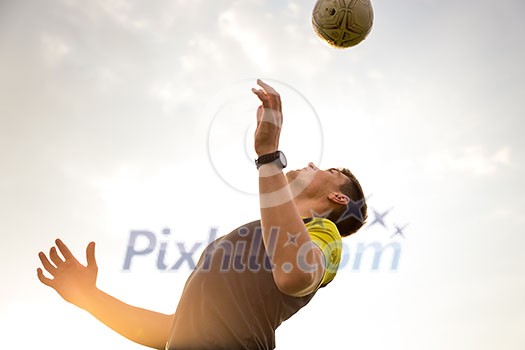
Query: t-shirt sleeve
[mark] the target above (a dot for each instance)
(325, 235)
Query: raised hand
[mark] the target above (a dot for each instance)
(269, 119)
(72, 280)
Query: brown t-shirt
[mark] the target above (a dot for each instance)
(230, 301)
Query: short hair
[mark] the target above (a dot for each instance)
(351, 217)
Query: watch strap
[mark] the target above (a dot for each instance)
(267, 158)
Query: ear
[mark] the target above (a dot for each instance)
(339, 198)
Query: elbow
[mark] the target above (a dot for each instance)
(297, 284)
(303, 277)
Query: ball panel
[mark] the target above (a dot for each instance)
(342, 23)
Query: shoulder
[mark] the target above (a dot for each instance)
(326, 236)
(323, 229)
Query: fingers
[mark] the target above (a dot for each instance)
(66, 253)
(262, 96)
(270, 90)
(55, 261)
(47, 265)
(268, 95)
(270, 112)
(90, 256)
(47, 281)
(54, 257)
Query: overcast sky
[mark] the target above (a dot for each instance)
(115, 116)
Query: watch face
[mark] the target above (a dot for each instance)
(283, 160)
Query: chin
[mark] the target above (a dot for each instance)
(291, 175)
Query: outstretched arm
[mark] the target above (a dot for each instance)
(76, 283)
(298, 264)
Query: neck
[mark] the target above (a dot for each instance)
(309, 208)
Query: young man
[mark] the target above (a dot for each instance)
(247, 282)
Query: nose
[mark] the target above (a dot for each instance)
(312, 165)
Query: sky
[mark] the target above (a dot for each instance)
(119, 116)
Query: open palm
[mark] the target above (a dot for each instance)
(269, 119)
(72, 280)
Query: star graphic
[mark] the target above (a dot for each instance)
(379, 218)
(317, 218)
(399, 231)
(353, 208)
(292, 239)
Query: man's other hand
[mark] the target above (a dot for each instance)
(72, 280)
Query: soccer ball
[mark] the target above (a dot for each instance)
(343, 23)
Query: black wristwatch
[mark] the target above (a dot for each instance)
(278, 157)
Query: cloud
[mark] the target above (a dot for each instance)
(251, 43)
(121, 12)
(472, 160)
(171, 95)
(54, 48)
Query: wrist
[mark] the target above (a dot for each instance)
(90, 299)
(276, 157)
(269, 169)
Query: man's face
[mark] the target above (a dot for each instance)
(313, 181)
